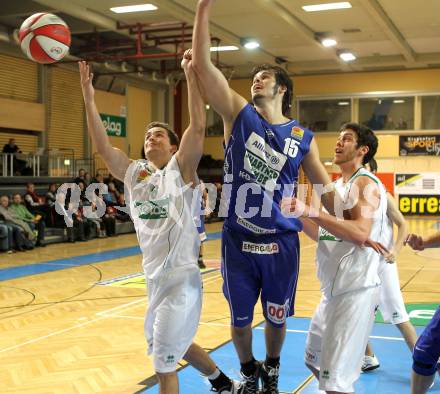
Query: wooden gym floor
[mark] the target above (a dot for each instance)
(66, 327)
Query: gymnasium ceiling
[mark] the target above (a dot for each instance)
(383, 34)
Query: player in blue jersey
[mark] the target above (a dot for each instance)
(264, 149)
(426, 353)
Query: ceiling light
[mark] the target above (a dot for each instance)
(329, 42)
(249, 43)
(134, 8)
(326, 7)
(328, 163)
(398, 101)
(224, 48)
(344, 103)
(346, 56)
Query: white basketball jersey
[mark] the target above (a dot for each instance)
(342, 265)
(163, 210)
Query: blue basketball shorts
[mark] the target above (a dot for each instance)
(260, 264)
(426, 353)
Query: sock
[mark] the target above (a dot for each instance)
(249, 368)
(219, 380)
(272, 362)
(214, 375)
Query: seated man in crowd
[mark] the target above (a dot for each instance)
(21, 234)
(34, 202)
(35, 222)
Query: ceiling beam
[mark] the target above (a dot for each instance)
(381, 17)
(282, 12)
(185, 14)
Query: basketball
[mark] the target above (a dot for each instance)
(44, 38)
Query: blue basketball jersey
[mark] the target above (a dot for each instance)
(261, 163)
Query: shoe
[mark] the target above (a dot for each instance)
(269, 379)
(236, 388)
(250, 383)
(201, 263)
(370, 363)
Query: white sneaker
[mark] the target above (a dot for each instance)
(236, 388)
(370, 363)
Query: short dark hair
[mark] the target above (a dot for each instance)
(282, 79)
(373, 165)
(172, 136)
(365, 137)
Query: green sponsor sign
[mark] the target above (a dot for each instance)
(419, 314)
(115, 126)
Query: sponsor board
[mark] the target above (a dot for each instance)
(424, 205)
(115, 126)
(419, 145)
(422, 183)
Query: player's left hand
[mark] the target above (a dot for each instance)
(378, 247)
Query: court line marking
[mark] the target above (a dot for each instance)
(101, 315)
(303, 385)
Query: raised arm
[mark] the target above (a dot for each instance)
(402, 227)
(191, 147)
(224, 100)
(115, 159)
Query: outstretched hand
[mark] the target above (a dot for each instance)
(415, 241)
(86, 81)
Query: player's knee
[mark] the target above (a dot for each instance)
(166, 376)
(424, 369)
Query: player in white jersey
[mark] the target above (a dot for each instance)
(160, 194)
(391, 303)
(347, 270)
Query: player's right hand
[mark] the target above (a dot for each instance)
(86, 80)
(415, 241)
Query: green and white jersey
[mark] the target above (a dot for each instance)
(163, 210)
(343, 266)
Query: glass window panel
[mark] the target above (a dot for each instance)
(387, 113)
(214, 123)
(431, 112)
(324, 115)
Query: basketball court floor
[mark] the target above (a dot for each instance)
(71, 320)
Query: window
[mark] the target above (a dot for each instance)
(387, 113)
(324, 115)
(214, 123)
(431, 112)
